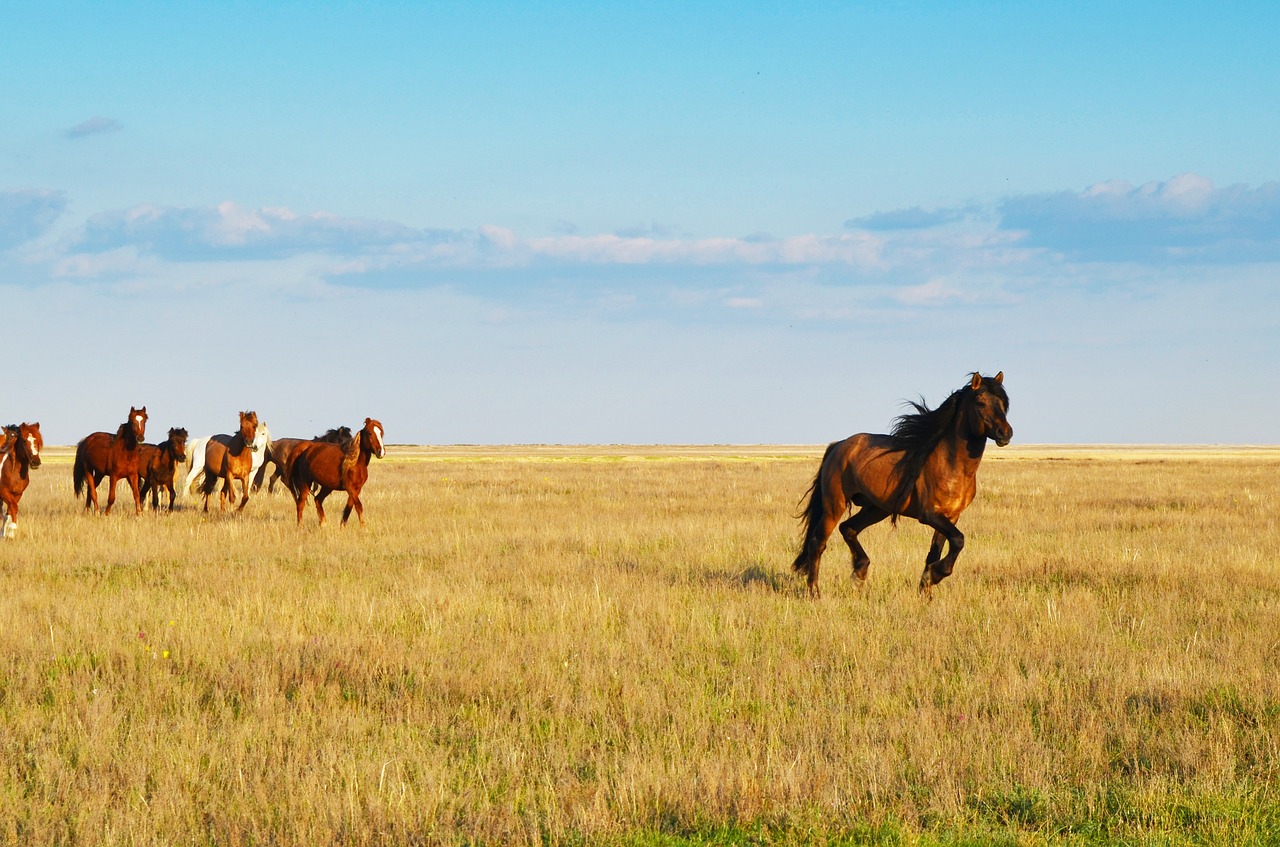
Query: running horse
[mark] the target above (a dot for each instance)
(331, 467)
(228, 458)
(281, 452)
(19, 454)
(195, 454)
(157, 464)
(925, 469)
(102, 454)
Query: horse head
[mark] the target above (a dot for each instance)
(262, 439)
(27, 442)
(178, 443)
(249, 429)
(989, 406)
(372, 436)
(138, 421)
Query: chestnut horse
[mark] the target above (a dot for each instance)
(157, 464)
(925, 469)
(102, 454)
(19, 454)
(281, 453)
(332, 467)
(195, 451)
(228, 458)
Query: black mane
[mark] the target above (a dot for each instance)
(917, 434)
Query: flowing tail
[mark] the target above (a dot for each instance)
(208, 483)
(77, 472)
(811, 520)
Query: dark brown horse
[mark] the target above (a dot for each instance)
(157, 464)
(925, 469)
(228, 458)
(331, 468)
(18, 455)
(282, 451)
(102, 454)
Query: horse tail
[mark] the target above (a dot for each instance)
(78, 472)
(811, 520)
(208, 483)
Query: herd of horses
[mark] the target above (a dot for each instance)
(925, 468)
(312, 468)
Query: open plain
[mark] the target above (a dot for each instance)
(543, 645)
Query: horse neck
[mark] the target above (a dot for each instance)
(357, 454)
(963, 448)
(126, 435)
(168, 454)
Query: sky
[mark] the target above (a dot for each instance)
(641, 223)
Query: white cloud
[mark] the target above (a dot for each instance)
(1185, 219)
(27, 213)
(229, 230)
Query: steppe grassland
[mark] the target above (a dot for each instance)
(605, 644)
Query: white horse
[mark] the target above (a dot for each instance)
(195, 452)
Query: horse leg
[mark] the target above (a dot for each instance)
(10, 504)
(865, 517)
(319, 496)
(91, 481)
(132, 479)
(244, 494)
(936, 570)
(353, 500)
(111, 494)
(300, 498)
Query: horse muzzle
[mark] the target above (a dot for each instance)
(35, 461)
(1003, 437)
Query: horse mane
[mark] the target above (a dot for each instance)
(125, 431)
(917, 434)
(351, 450)
(337, 435)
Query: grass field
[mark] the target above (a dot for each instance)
(605, 645)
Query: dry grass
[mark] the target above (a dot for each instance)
(554, 644)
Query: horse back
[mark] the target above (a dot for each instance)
(148, 459)
(94, 452)
(220, 455)
(319, 462)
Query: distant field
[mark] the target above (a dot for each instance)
(561, 644)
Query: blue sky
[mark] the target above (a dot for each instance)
(645, 223)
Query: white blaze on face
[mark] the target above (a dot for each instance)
(31, 444)
(377, 431)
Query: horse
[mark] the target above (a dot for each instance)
(926, 469)
(230, 457)
(102, 454)
(332, 467)
(19, 454)
(281, 452)
(196, 447)
(157, 463)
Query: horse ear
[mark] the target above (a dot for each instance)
(1000, 378)
(368, 421)
(976, 382)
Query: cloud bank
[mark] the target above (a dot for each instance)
(911, 258)
(1186, 219)
(27, 213)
